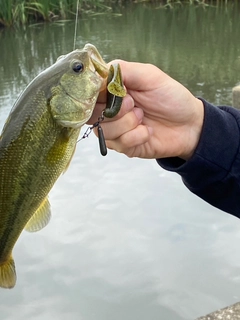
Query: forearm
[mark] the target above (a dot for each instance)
(213, 171)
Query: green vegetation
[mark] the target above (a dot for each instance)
(20, 12)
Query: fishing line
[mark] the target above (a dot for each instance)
(101, 139)
(76, 24)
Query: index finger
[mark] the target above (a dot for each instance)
(140, 76)
(127, 105)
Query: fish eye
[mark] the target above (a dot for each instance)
(77, 67)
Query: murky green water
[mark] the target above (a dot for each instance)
(127, 240)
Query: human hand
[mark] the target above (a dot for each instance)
(159, 117)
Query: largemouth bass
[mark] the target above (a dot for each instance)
(38, 141)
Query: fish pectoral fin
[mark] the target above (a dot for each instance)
(69, 161)
(8, 274)
(40, 218)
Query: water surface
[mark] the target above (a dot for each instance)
(127, 240)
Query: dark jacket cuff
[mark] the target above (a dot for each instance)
(214, 168)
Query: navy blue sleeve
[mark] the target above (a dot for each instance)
(213, 172)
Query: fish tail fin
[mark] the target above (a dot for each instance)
(8, 274)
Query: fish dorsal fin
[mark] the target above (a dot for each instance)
(8, 274)
(40, 218)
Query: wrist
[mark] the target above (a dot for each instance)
(194, 130)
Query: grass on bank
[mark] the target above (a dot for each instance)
(21, 12)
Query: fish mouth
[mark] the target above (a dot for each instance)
(96, 61)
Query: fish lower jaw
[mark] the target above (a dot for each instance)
(71, 124)
(75, 124)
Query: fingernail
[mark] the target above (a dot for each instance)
(139, 113)
(129, 102)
